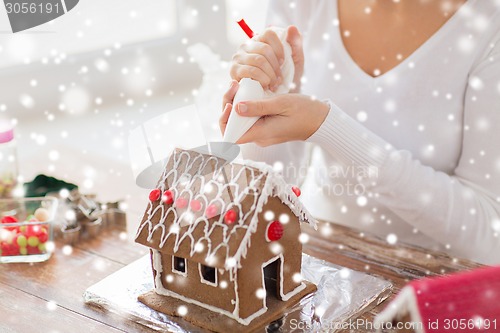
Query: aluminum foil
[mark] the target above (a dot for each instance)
(342, 294)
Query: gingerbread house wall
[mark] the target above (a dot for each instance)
(190, 285)
(250, 276)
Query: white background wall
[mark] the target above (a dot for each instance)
(115, 50)
(76, 87)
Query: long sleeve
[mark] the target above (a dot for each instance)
(460, 210)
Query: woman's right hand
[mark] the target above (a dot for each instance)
(260, 59)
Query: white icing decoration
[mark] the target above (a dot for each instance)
(158, 268)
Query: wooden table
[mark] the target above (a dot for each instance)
(47, 297)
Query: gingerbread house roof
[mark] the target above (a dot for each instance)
(204, 188)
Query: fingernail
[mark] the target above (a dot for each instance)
(242, 108)
(226, 106)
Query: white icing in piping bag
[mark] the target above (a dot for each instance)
(237, 125)
(250, 90)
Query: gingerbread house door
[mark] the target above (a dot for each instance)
(271, 273)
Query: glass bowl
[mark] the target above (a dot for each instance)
(23, 237)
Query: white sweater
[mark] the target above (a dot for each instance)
(419, 144)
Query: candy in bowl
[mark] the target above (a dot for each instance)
(26, 229)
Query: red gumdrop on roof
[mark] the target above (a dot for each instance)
(168, 197)
(275, 231)
(211, 211)
(296, 190)
(181, 203)
(33, 250)
(43, 236)
(230, 217)
(33, 230)
(154, 194)
(195, 205)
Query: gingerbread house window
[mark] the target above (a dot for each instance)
(208, 275)
(179, 265)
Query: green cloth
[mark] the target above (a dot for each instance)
(43, 184)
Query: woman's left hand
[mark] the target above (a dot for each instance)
(288, 117)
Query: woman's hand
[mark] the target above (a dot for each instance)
(288, 117)
(261, 57)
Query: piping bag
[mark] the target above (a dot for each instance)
(252, 90)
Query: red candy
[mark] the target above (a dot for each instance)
(296, 190)
(154, 194)
(43, 236)
(8, 220)
(168, 197)
(275, 231)
(16, 246)
(195, 205)
(9, 249)
(4, 247)
(181, 203)
(211, 211)
(33, 250)
(230, 217)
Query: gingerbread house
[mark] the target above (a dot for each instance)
(224, 236)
